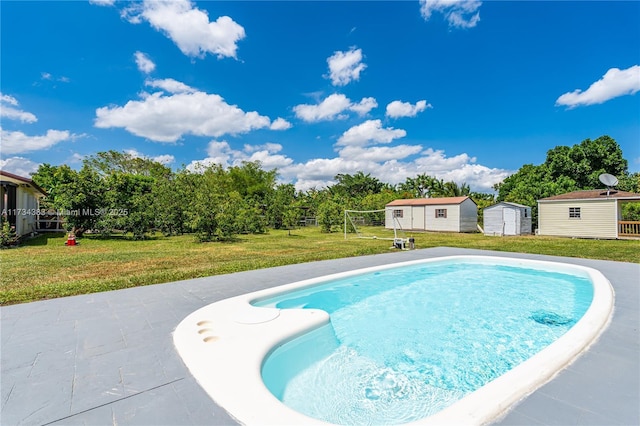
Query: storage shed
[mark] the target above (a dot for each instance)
(20, 202)
(592, 213)
(507, 218)
(449, 214)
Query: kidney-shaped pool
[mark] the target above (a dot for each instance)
(455, 339)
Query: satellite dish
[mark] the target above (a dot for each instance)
(608, 180)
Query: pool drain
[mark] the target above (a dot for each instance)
(550, 318)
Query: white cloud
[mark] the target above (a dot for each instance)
(170, 85)
(613, 84)
(380, 163)
(391, 164)
(364, 106)
(19, 166)
(18, 142)
(330, 108)
(280, 124)
(220, 152)
(165, 159)
(458, 13)
(76, 158)
(166, 118)
(345, 67)
(143, 62)
(398, 109)
(269, 160)
(269, 146)
(8, 110)
(379, 153)
(49, 77)
(368, 132)
(162, 159)
(8, 99)
(103, 2)
(333, 107)
(189, 27)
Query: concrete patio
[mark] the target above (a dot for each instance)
(108, 358)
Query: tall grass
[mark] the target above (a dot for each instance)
(45, 268)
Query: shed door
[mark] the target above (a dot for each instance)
(509, 219)
(417, 217)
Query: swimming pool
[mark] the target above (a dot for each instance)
(225, 346)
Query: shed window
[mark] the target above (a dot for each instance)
(398, 213)
(574, 212)
(526, 212)
(441, 213)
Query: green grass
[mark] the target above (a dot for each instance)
(45, 268)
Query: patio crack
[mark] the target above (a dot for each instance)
(114, 401)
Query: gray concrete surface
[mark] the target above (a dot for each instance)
(108, 358)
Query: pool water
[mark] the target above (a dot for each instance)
(405, 343)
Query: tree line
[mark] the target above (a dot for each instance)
(117, 192)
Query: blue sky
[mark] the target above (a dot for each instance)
(462, 90)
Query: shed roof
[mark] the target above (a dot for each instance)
(23, 180)
(593, 194)
(427, 201)
(507, 203)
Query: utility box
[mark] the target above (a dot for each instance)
(398, 243)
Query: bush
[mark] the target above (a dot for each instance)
(8, 235)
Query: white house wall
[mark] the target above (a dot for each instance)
(423, 217)
(598, 219)
(451, 223)
(403, 222)
(26, 205)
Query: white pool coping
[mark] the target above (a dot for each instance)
(225, 344)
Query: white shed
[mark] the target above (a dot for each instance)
(594, 213)
(449, 214)
(20, 202)
(507, 218)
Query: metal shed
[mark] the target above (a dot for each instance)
(507, 219)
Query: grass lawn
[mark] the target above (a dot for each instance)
(45, 268)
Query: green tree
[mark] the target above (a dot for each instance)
(586, 161)
(356, 186)
(330, 215)
(109, 162)
(128, 204)
(629, 182)
(421, 186)
(250, 180)
(208, 194)
(531, 183)
(565, 169)
(290, 218)
(170, 195)
(78, 196)
(280, 202)
(250, 218)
